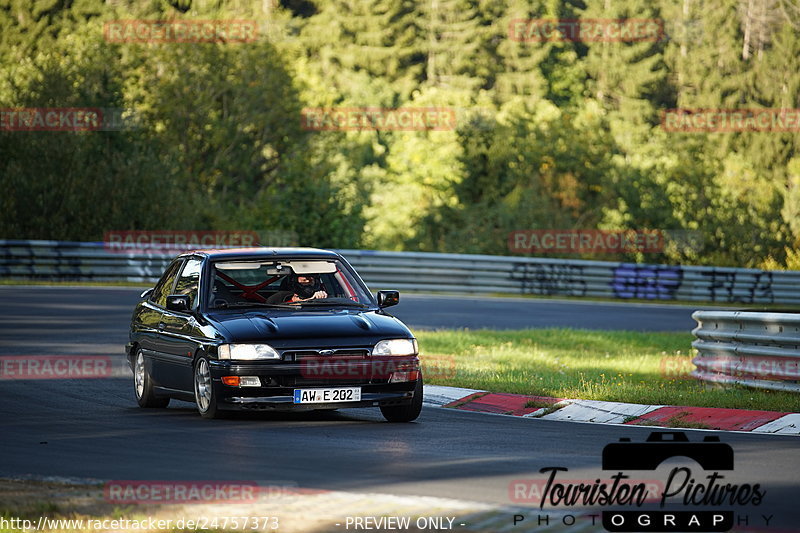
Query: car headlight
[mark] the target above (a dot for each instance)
(247, 352)
(396, 347)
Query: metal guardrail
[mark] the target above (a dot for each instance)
(446, 273)
(759, 350)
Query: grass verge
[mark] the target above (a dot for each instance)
(623, 366)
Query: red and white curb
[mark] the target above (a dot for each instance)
(600, 412)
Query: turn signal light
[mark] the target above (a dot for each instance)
(241, 381)
(231, 381)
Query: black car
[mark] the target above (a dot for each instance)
(264, 328)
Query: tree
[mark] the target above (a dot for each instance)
(374, 38)
(519, 71)
(453, 42)
(76, 185)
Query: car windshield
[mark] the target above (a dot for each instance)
(286, 284)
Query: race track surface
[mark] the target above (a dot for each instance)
(92, 428)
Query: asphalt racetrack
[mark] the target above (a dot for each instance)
(93, 429)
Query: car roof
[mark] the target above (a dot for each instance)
(264, 253)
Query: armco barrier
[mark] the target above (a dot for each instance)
(754, 349)
(446, 273)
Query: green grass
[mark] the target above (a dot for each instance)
(649, 368)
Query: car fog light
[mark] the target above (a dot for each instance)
(241, 381)
(398, 377)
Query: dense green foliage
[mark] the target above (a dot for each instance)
(558, 134)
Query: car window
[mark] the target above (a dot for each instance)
(164, 287)
(189, 280)
(236, 282)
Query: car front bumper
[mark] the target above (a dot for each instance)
(285, 378)
(286, 403)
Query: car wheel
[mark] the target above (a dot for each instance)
(405, 413)
(143, 385)
(204, 390)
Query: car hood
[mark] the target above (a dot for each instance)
(259, 325)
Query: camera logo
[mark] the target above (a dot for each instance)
(711, 454)
(681, 486)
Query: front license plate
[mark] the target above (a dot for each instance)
(345, 394)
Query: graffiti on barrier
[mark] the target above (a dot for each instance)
(742, 287)
(646, 281)
(550, 279)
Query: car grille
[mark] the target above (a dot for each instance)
(338, 353)
(311, 356)
(320, 382)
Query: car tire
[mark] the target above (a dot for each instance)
(204, 395)
(143, 385)
(405, 413)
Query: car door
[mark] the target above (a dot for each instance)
(147, 315)
(153, 311)
(180, 330)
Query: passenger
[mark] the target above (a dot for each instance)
(300, 288)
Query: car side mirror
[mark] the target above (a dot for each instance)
(178, 302)
(146, 293)
(388, 298)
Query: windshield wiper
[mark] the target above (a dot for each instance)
(334, 301)
(256, 304)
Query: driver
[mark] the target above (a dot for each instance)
(301, 288)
